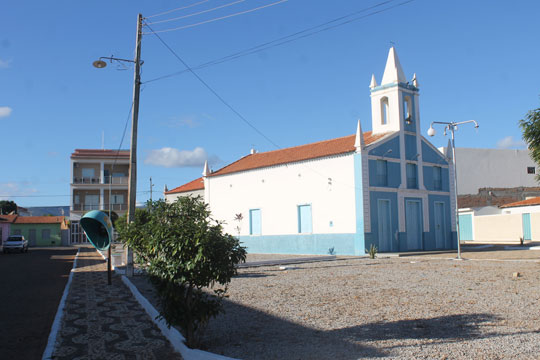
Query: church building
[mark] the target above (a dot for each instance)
(389, 187)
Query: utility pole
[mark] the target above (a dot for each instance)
(132, 189)
(151, 186)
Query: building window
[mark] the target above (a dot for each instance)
(255, 222)
(437, 178)
(45, 234)
(304, 219)
(382, 173)
(384, 111)
(531, 170)
(412, 176)
(88, 173)
(117, 199)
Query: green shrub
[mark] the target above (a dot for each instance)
(185, 251)
(372, 251)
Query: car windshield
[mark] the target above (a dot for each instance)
(14, 238)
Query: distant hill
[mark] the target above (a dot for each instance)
(44, 211)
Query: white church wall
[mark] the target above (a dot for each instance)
(326, 184)
(172, 197)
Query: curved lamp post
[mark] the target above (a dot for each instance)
(452, 126)
(132, 189)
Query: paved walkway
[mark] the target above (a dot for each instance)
(105, 321)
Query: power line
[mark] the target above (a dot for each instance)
(213, 91)
(177, 9)
(283, 40)
(219, 18)
(197, 13)
(39, 196)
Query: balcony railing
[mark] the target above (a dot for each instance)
(85, 180)
(114, 180)
(114, 207)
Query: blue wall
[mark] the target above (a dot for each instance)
(359, 238)
(432, 156)
(410, 147)
(317, 244)
(384, 147)
(428, 179)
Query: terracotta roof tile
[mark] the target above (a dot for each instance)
(528, 202)
(315, 150)
(39, 220)
(8, 218)
(99, 153)
(197, 184)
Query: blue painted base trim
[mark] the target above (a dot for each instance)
(313, 244)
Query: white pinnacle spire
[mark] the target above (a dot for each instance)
(393, 73)
(414, 81)
(359, 141)
(449, 150)
(373, 83)
(206, 170)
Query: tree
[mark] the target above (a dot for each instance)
(187, 256)
(531, 134)
(7, 206)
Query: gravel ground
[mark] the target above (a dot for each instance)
(421, 307)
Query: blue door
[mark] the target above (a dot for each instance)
(304, 219)
(465, 227)
(440, 224)
(526, 226)
(255, 222)
(385, 225)
(413, 221)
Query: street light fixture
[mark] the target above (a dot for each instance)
(452, 126)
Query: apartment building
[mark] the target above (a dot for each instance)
(99, 181)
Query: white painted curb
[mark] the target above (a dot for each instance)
(47, 354)
(176, 339)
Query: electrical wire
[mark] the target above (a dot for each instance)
(38, 196)
(214, 91)
(283, 40)
(219, 18)
(197, 13)
(177, 9)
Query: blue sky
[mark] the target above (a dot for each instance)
(473, 60)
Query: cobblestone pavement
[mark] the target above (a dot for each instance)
(105, 321)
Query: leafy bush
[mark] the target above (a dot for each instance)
(185, 251)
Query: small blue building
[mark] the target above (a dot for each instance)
(389, 187)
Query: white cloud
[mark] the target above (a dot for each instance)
(5, 111)
(4, 64)
(170, 157)
(10, 189)
(510, 143)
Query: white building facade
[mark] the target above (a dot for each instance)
(388, 187)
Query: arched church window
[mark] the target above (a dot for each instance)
(407, 109)
(385, 111)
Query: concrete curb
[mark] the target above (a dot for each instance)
(175, 338)
(47, 354)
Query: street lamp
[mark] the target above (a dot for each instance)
(452, 126)
(132, 188)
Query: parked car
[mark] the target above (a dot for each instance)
(15, 242)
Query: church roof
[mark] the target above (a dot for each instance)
(197, 184)
(315, 150)
(528, 202)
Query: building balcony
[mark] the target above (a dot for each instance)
(119, 208)
(113, 180)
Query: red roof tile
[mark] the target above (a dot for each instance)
(8, 218)
(99, 153)
(39, 220)
(197, 184)
(528, 202)
(315, 150)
